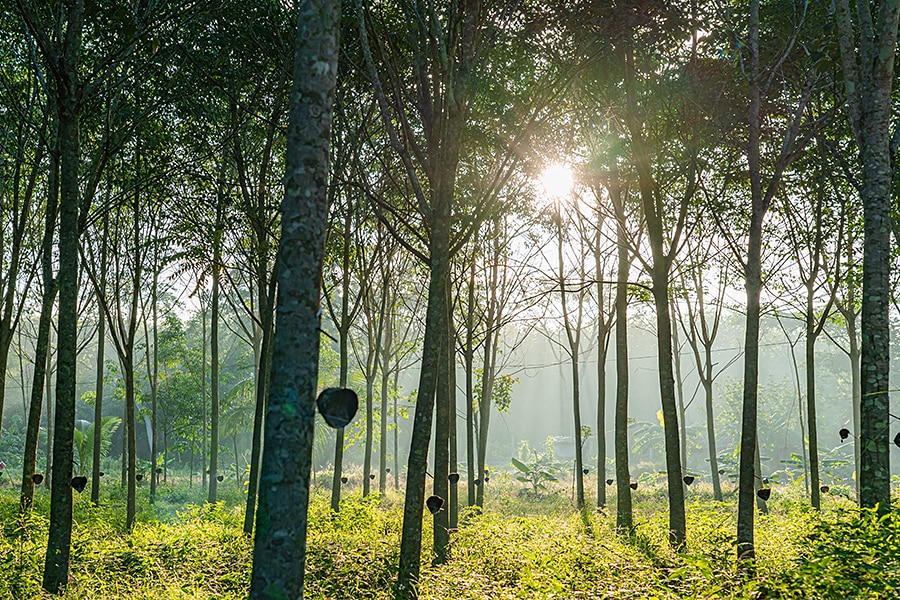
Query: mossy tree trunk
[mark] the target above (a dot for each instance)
(279, 551)
(867, 58)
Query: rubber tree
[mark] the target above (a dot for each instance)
(867, 43)
(279, 550)
(811, 223)
(701, 327)
(435, 31)
(763, 186)
(606, 315)
(61, 56)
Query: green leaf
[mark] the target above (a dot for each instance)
(521, 466)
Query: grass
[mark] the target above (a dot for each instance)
(519, 547)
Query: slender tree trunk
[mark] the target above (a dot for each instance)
(679, 393)
(204, 469)
(154, 383)
(42, 344)
(59, 540)
(442, 438)
(131, 502)
(396, 431)
(812, 429)
(573, 334)
(214, 375)
(677, 523)
(388, 321)
(487, 385)
(101, 367)
(711, 423)
(370, 424)
(659, 274)
(343, 339)
(624, 518)
(435, 327)
(124, 462)
(855, 381)
(261, 391)
(753, 281)
(470, 384)
(453, 516)
(98, 412)
(602, 346)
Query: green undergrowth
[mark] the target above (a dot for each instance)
(521, 546)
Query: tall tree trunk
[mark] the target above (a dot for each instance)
(812, 429)
(261, 391)
(679, 393)
(602, 348)
(753, 281)
(435, 327)
(204, 469)
(659, 274)
(442, 437)
(214, 372)
(573, 334)
(677, 523)
(711, 423)
(101, 368)
(453, 499)
(124, 458)
(279, 551)
(869, 75)
(488, 372)
(388, 320)
(51, 411)
(154, 382)
(370, 426)
(68, 97)
(470, 384)
(42, 343)
(855, 382)
(343, 340)
(624, 517)
(395, 413)
(131, 501)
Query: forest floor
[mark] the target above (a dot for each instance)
(520, 546)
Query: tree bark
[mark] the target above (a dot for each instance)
(868, 75)
(442, 437)
(411, 536)
(131, 501)
(69, 105)
(602, 350)
(42, 343)
(214, 364)
(659, 274)
(624, 516)
(280, 546)
(261, 391)
(101, 369)
(469, 358)
(388, 321)
(343, 341)
(811, 427)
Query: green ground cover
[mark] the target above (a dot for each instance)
(521, 546)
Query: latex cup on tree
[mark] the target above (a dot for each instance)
(337, 406)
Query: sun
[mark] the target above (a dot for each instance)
(557, 180)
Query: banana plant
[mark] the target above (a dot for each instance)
(536, 474)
